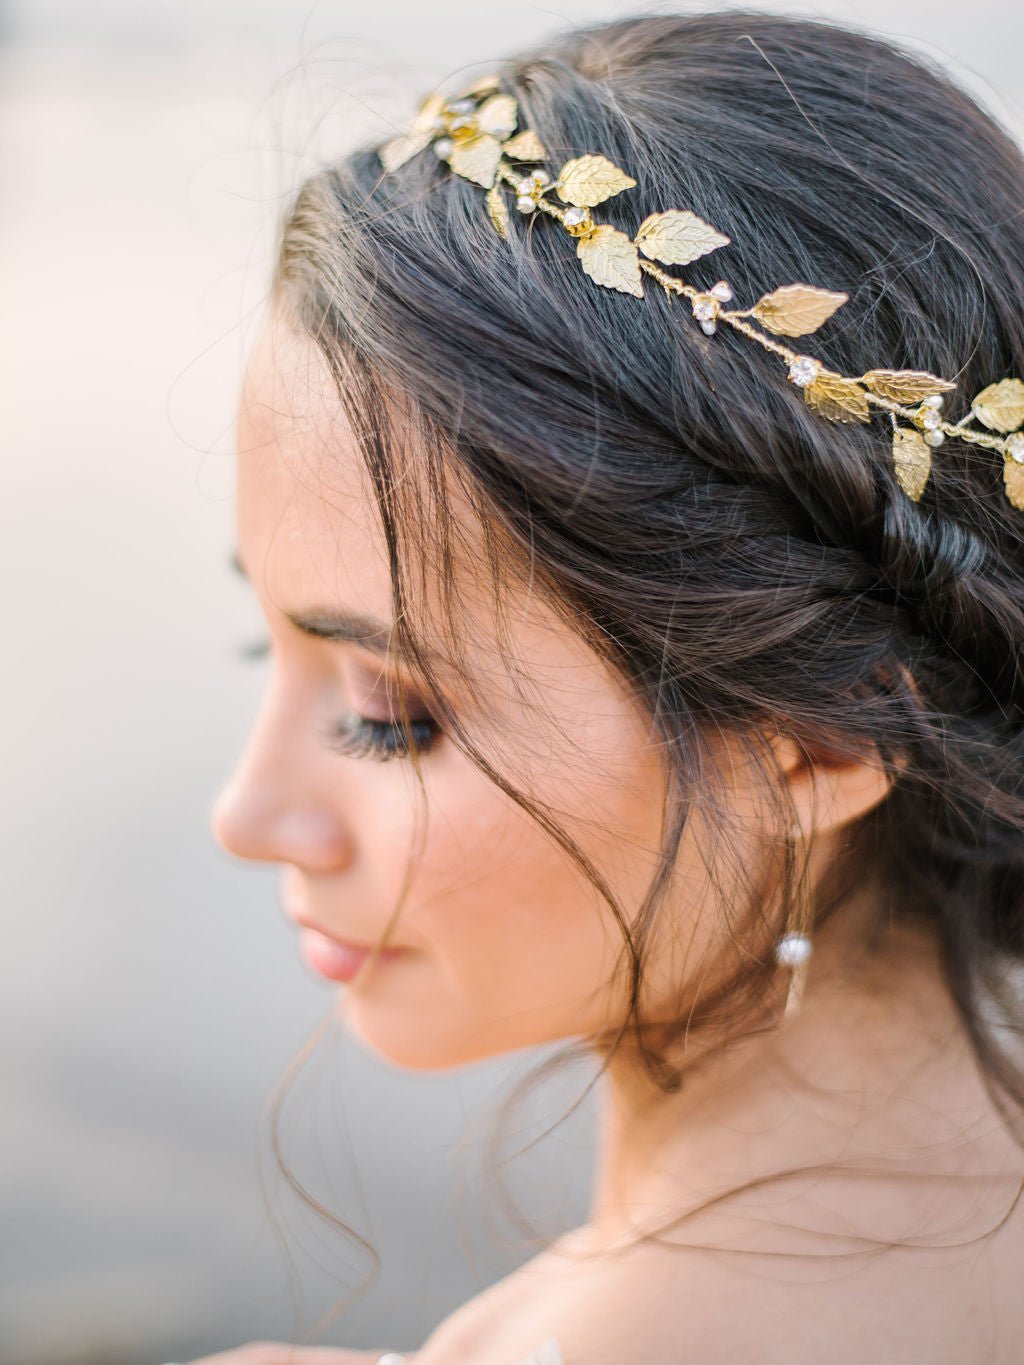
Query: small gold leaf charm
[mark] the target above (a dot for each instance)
(588, 180)
(525, 146)
(610, 258)
(1013, 478)
(481, 86)
(677, 237)
(497, 116)
(477, 159)
(398, 150)
(912, 461)
(497, 209)
(1001, 405)
(796, 309)
(906, 386)
(838, 398)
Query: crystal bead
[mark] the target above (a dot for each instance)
(804, 370)
(930, 418)
(722, 291)
(1015, 447)
(444, 146)
(935, 438)
(574, 216)
(792, 950)
(526, 203)
(708, 326)
(705, 308)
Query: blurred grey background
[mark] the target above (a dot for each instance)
(150, 993)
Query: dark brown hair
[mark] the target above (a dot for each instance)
(737, 560)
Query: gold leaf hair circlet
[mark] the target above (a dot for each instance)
(475, 134)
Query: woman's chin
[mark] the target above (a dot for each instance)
(401, 1038)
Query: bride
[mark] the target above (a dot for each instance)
(644, 679)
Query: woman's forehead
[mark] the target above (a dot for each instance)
(309, 527)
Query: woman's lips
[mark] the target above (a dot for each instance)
(335, 959)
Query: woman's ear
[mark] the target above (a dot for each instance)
(829, 788)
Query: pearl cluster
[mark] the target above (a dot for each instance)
(928, 419)
(706, 307)
(530, 189)
(459, 117)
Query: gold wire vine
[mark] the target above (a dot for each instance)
(474, 133)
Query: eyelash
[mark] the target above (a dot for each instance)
(359, 737)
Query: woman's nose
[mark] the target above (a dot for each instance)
(280, 804)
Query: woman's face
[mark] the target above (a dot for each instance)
(504, 943)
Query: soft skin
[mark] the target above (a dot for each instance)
(507, 944)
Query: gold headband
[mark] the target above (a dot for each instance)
(474, 133)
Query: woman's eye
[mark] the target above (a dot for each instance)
(359, 737)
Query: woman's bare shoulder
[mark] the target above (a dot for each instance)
(748, 1291)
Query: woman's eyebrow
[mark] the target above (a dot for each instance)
(367, 631)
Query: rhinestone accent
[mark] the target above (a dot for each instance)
(722, 291)
(929, 418)
(575, 216)
(705, 308)
(1015, 447)
(804, 370)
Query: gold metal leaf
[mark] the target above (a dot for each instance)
(610, 258)
(906, 386)
(480, 86)
(1013, 478)
(497, 209)
(477, 159)
(525, 146)
(1001, 405)
(796, 309)
(912, 461)
(398, 150)
(497, 116)
(838, 398)
(588, 180)
(677, 237)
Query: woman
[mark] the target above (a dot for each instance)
(698, 683)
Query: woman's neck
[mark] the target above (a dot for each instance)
(837, 1081)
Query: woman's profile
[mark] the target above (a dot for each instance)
(648, 669)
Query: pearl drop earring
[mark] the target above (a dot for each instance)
(794, 949)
